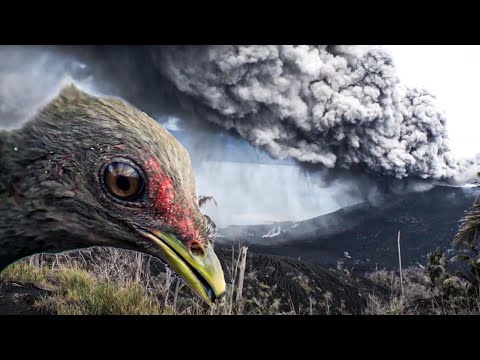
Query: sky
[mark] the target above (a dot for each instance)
(452, 74)
(449, 72)
(237, 175)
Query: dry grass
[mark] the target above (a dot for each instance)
(119, 282)
(414, 288)
(421, 296)
(105, 281)
(78, 292)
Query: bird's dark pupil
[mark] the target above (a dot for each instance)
(123, 183)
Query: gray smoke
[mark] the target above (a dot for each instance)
(335, 106)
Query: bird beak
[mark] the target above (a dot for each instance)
(202, 273)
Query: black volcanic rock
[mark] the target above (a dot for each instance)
(298, 286)
(365, 235)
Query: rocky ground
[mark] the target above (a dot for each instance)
(18, 299)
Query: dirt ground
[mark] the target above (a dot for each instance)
(18, 299)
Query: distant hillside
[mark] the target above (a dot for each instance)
(365, 235)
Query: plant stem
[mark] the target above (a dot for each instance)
(400, 262)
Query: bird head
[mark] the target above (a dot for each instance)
(91, 171)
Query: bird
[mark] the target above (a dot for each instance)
(88, 171)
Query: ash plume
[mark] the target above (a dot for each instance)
(339, 107)
(338, 111)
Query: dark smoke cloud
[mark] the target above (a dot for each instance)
(335, 106)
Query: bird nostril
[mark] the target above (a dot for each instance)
(197, 249)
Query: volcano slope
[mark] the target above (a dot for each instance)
(364, 236)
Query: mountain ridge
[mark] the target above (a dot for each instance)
(365, 234)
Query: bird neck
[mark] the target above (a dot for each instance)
(5, 256)
(14, 245)
(17, 227)
(21, 240)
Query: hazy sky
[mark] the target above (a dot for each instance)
(452, 73)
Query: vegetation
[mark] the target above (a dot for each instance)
(117, 282)
(105, 281)
(432, 289)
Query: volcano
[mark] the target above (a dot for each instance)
(364, 236)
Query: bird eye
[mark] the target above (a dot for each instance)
(123, 181)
